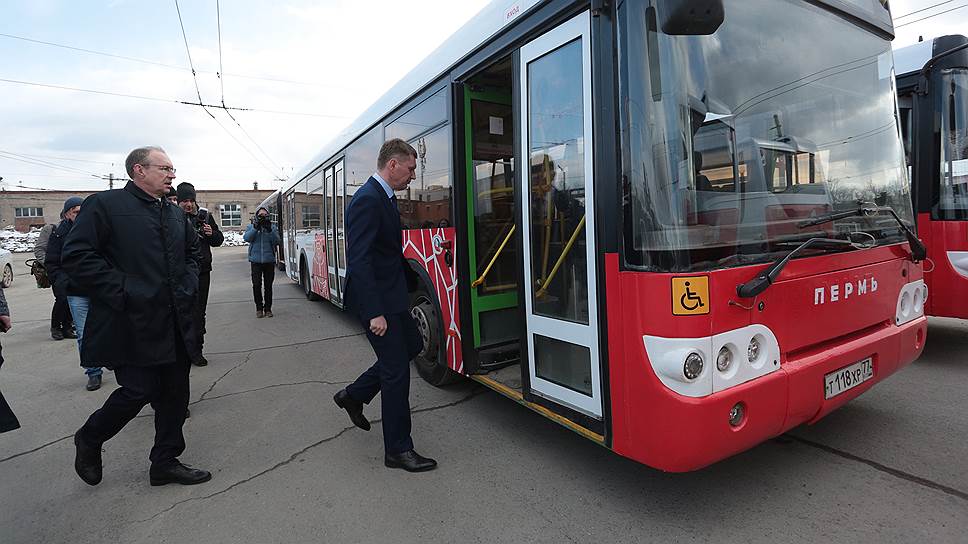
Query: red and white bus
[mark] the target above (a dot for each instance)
(932, 86)
(678, 235)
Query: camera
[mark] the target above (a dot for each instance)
(263, 222)
(201, 219)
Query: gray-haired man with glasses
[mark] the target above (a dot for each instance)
(137, 257)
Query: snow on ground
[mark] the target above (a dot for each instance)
(234, 238)
(20, 242)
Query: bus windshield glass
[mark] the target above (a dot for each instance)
(953, 202)
(787, 112)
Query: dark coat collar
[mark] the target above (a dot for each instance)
(138, 192)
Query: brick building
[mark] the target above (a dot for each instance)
(232, 209)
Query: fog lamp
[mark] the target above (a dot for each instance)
(737, 414)
(693, 366)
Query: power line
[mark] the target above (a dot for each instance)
(64, 158)
(931, 16)
(174, 101)
(924, 9)
(171, 66)
(187, 50)
(38, 162)
(218, 22)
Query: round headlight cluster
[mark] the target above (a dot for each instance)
(724, 359)
(692, 368)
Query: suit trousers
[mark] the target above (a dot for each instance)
(390, 376)
(165, 388)
(201, 304)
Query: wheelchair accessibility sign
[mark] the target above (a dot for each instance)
(690, 296)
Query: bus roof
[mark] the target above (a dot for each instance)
(487, 23)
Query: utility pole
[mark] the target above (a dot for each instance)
(111, 180)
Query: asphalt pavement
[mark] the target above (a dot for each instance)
(289, 467)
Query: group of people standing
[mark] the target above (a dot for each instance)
(139, 267)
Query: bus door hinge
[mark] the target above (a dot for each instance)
(598, 6)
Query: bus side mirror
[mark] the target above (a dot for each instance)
(690, 17)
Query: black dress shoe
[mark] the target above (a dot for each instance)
(87, 460)
(178, 473)
(69, 333)
(200, 361)
(410, 461)
(353, 407)
(93, 382)
(56, 333)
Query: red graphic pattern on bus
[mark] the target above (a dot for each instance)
(320, 270)
(424, 246)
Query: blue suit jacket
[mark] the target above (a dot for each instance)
(376, 271)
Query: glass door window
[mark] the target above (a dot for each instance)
(558, 218)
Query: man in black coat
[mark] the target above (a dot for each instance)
(209, 236)
(135, 255)
(376, 290)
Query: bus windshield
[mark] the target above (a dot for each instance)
(786, 112)
(953, 202)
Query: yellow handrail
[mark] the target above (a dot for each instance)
(561, 258)
(487, 270)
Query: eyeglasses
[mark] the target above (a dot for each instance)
(169, 169)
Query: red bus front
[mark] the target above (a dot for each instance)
(734, 157)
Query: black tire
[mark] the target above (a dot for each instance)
(7, 280)
(432, 361)
(305, 282)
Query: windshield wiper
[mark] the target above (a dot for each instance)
(765, 278)
(918, 251)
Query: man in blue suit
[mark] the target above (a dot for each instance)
(376, 290)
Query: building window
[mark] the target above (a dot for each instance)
(231, 215)
(28, 212)
(310, 216)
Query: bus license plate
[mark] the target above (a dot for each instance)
(847, 378)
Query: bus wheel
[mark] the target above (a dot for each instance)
(306, 283)
(432, 361)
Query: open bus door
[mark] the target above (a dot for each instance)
(530, 260)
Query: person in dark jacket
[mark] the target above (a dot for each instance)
(64, 287)
(263, 238)
(377, 292)
(61, 323)
(209, 236)
(8, 420)
(135, 255)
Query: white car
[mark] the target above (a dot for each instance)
(7, 267)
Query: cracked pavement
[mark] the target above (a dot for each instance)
(289, 467)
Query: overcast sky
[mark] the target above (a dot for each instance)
(324, 61)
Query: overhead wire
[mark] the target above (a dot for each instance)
(164, 65)
(187, 50)
(171, 100)
(201, 102)
(908, 14)
(218, 19)
(931, 16)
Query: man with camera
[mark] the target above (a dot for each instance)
(263, 238)
(209, 236)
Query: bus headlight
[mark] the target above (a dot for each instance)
(692, 368)
(753, 350)
(724, 359)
